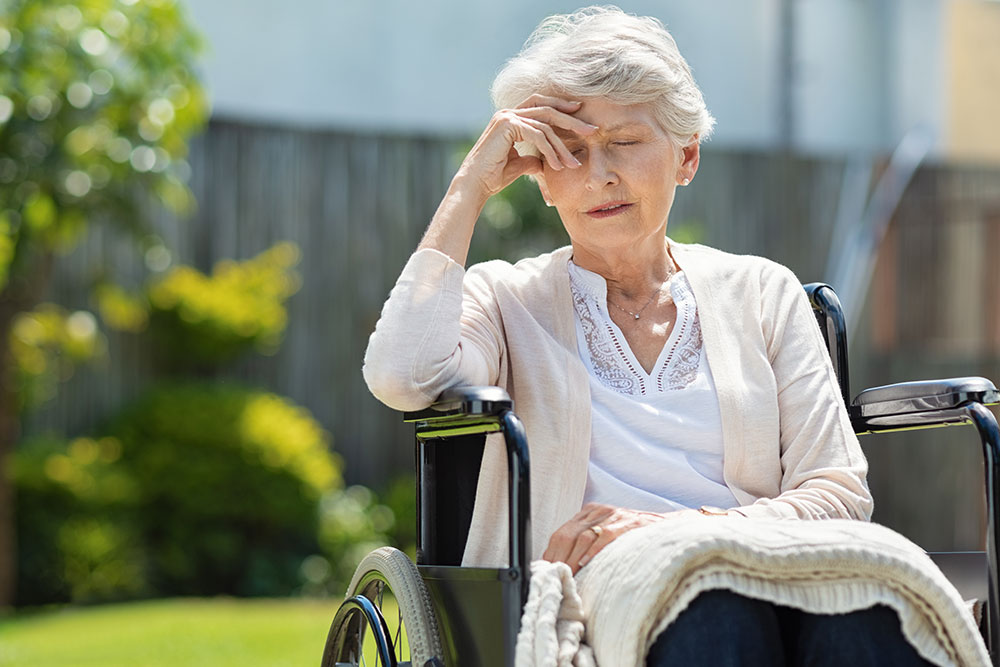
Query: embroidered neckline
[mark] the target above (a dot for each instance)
(612, 361)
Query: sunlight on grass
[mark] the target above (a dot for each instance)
(214, 632)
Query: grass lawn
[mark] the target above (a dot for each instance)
(218, 632)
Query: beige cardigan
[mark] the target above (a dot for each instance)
(789, 449)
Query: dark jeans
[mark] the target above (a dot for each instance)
(724, 629)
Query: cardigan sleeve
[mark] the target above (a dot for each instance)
(432, 335)
(823, 469)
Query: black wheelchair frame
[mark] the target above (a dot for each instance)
(478, 610)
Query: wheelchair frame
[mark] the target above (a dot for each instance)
(479, 609)
(928, 404)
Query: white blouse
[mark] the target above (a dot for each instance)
(656, 438)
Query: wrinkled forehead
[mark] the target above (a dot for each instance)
(633, 127)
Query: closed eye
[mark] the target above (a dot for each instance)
(625, 143)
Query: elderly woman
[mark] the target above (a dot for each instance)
(656, 380)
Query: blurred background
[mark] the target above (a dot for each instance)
(204, 204)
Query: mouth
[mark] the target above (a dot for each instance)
(609, 209)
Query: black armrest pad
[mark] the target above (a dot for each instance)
(924, 396)
(464, 401)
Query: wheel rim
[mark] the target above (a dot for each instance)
(359, 637)
(370, 631)
(377, 589)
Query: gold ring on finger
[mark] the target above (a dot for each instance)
(597, 530)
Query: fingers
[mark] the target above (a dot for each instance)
(542, 138)
(589, 542)
(565, 157)
(537, 122)
(543, 113)
(575, 537)
(557, 118)
(561, 103)
(527, 165)
(540, 135)
(608, 534)
(594, 527)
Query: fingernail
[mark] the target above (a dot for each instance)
(584, 561)
(576, 163)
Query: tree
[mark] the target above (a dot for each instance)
(98, 99)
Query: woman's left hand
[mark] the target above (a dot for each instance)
(595, 527)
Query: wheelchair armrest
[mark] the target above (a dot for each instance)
(920, 404)
(463, 404)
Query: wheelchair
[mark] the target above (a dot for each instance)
(436, 613)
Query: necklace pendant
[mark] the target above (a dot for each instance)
(636, 317)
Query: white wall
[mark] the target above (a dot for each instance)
(867, 72)
(426, 66)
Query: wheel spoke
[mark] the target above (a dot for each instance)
(398, 639)
(361, 644)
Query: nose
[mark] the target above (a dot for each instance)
(601, 171)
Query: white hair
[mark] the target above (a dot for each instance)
(604, 52)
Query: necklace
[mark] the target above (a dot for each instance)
(659, 289)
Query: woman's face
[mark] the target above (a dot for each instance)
(621, 195)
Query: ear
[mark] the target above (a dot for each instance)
(543, 188)
(690, 158)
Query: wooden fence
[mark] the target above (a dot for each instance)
(356, 205)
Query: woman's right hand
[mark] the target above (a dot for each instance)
(494, 163)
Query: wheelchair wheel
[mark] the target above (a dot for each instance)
(387, 618)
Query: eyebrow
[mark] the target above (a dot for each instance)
(627, 125)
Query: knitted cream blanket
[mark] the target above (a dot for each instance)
(631, 591)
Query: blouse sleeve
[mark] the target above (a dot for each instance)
(431, 336)
(823, 469)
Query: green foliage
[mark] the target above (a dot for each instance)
(230, 479)
(687, 231)
(96, 97)
(401, 498)
(352, 523)
(200, 489)
(200, 320)
(120, 309)
(46, 345)
(242, 304)
(77, 534)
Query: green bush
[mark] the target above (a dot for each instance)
(202, 321)
(200, 490)
(76, 522)
(208, 320)
(231, 479)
